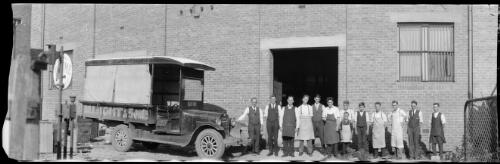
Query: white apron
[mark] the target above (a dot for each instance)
(345, 133)
(306, 131)
(378, 131)
(397, 129)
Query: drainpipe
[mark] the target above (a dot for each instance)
(470, 76)
(470, 58)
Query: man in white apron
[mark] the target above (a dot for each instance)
(379, 120)
(397, 119)
(305, 132)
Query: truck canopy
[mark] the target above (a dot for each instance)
(127, 80)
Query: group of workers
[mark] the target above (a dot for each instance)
(334, 126)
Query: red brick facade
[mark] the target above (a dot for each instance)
(236, 39)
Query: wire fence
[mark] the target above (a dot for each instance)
(481, 139)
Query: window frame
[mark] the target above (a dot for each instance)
(421, 25)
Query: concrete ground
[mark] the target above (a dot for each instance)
(101, 151)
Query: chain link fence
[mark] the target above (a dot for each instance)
(481, 139)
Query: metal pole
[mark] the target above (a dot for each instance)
(59, 128)
(72, 127)
(65, 132)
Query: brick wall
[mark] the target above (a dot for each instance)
(485, 22)
(230, 38)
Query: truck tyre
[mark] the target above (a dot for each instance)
(209, 144)
(150, 145)
(121, 138)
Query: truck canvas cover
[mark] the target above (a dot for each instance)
(126, 80)
(118, 84)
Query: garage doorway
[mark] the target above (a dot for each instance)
(299, 71)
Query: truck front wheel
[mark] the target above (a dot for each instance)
(121, 138)
(209, 144)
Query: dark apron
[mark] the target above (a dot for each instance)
(331, 133)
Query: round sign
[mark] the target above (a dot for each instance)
(67, 72)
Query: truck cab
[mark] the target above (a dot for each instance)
(155, 100)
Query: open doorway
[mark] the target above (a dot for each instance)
(299, 71)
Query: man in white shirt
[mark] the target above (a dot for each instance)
(255, 120)
(414, 122)
(271, 113)
(397, 119)
(437, 132)
(318, 123)
(361, 120)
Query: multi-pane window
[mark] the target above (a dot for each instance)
(426, 52)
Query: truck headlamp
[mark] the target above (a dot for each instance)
(218, 121)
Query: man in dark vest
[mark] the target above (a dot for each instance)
(255, 121)
(361, 128)
(437, 132)
(318, 123)
(414, 121)
(271, 113)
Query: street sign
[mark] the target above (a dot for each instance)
(67, 71)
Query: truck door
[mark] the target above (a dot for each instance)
(166, 98)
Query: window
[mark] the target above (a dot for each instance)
(426, 52)
(193, 90)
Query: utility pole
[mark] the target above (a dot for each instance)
(59, 110)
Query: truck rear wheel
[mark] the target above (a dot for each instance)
(209, 144)
(121, 138)
(150, 145)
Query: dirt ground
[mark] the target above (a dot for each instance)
(105, 152)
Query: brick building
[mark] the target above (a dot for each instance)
(351, 52)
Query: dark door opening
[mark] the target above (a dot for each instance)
(299, 71)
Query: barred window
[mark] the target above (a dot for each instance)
(426, 52)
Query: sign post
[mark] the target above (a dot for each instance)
(62, 79)
(59, 111)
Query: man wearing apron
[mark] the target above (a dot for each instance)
(437, 133)
(272, 125)
(414, 121)
(346, 130)
(379, 120)
(305, 132)
(288, 126)
(361, 128)
(397, 119)
(254, 124)
(318, 122)
(331, 135)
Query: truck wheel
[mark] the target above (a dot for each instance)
(121, 138)
(209, 144)
(150, 145)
